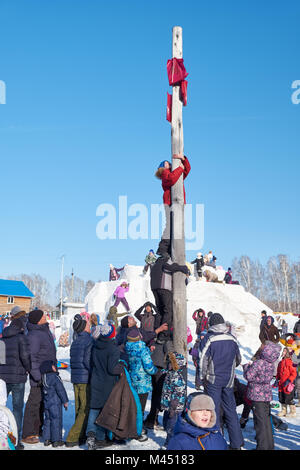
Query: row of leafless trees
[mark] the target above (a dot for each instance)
(276, 283)
(74, 290)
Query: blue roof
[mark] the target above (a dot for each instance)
(14, 288)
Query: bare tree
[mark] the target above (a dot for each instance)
(40, 288)
(88, 287)
(243, 269)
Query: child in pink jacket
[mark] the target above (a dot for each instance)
(120, 295)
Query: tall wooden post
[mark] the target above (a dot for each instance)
(177, 214)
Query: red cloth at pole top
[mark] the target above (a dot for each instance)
(183, 92)
(176, 71)
(169, 108)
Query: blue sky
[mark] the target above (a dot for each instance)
(84, 122)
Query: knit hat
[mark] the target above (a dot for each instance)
(162, 164)
(216, 319)
(164, 248)
(19, 323)
(134, 335)
(107, 330)
(16, 311)
(200, 401)
(46, 367)
(35, 316)
(124, 322)
(79, 323)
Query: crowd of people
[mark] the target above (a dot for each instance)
(115, 366)
(106, 358)
(206, 269)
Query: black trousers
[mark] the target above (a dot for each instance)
(157, 386)
(33, 415)
(143, 399)
(262, 424)
(164, 304)
(286, 398)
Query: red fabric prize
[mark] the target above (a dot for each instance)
(169, 108)
(176, 71)
(183, 92)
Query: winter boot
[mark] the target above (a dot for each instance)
(91, 441)
(58, 444)
(143, 437)
(102, 444)
(293, 413)
(283, 411)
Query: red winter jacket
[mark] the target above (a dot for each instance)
(285, 371)
(169, 178)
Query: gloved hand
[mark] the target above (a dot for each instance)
(285, 384)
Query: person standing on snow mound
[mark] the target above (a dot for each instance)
(199, 261)
(119, 294)
(149, 260)
(168, 179)
(219, 356)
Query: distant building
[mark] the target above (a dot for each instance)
(14, 293)
(71, 308)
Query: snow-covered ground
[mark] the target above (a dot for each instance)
(233, 302)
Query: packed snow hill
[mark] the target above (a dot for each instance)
(237, 306)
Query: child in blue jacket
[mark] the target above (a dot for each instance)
(54, 396)
(196, 428)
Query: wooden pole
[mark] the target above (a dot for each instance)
(177, 213)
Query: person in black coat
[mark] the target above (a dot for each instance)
(161, 286)
(80, 362)
(42, 348)
(199, 261)
(106, 369)
(54, 396)
(149, 316)
(14, 371)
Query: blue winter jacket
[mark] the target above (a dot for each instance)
(141, 366)
(54, 393)
(186, 437)
(105, 370)
(80, 358)
(219, 356)
(42, 348)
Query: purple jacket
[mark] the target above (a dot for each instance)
(261, 372)
(120, 292)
